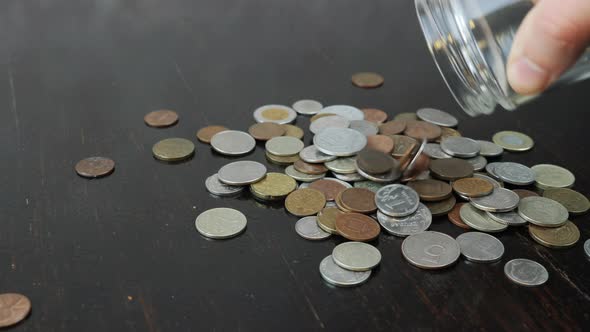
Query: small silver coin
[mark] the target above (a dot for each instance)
(221, 223)
(371, 185)
(480, 247)
(490, 179)
(491, 170)
(311, 154)
(510, 218)
(342, 165)
(478, 163)
(415, 223)
(356, 256)
(490, 149)
(389, 177)
(284, 146)
(437, 117)
(461, 147)
(333, 121)
(218, 188)
(434, 151)
(587, 248)
(295, 174)
(349, 177)
(542, 211)
(341, 142)
(308, 229)
(479, 220)
(396, 200)
(430, 250)
(340, 277)
(233, 142)
(515, 173)
(307, 106)
(349, 112)
(275, 113)
(241, 173)
(364, 127)
(500, 200)
(526, 272)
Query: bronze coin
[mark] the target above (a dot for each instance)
(280, 160)
(327, 219)
(422, 129)
(443, 207)
(305, 202)
(380, 143)
(392, 128)
(357, 227)
(402, 144)
(320, 115)
(374, 115)
(523, 193)
(329, 188)
(204, 134)
(451, 169)
(308, 168)
(473, 187)
(431, 190)
(359, 200)
(266, 130)
(374, 162)
(447, 132)
(455, 216)
(161, 118)
(95, 167)
(13, 308)
(406, 117)
(339, 204)
(367, 80)
(293, 131)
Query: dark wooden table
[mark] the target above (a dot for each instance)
(122, 254)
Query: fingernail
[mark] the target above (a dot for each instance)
(526, 77)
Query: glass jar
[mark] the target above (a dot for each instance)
(470, 41)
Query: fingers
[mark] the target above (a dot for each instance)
(551, 38)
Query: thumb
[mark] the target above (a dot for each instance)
(551, 38)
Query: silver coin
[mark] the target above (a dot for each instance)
(307, 106)
(491, 170)
(415, 223)
(500, 200)
(364, 127)
(430, 250)
(412, 164)
(477, 162)
(311, 154)
(218, 188)
(304, 185)
(221, 223)
(396, 200)
(526, 272)
(338, 276)
(342, 142)
(295, 174)
(434, 151)
(356, 256)
(333, 121)
(371, 185)
(233, 142)
(342, 165)
(515, 173)
(542, 211)
(349, 112)
(389, 177)
(437, 117)
(587, 248)
(490, 149)
(284, 146)
(308, 228)
(462, 147)
(241, 173)
(287, 114)
(480, 247)
(479, 220)
(490, 179)
(510, 218)
(349, 177)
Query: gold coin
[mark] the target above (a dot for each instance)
(556, 237)
(293, 131)
(275, 114)
(279, 160)
(173, 149)
(327, 219)
(204, 134)
(274, 186)
(320, 115)
(305, 202)
(448, 132)
(573, 201)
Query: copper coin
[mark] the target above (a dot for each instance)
(392, 128)
(204, 134)
(330, 188)
(431, 190)
(367, 80)
(339, 204)
(293, 131)
(380, 143)
(266, 130)
(473, 187)
(95, 167)
(455, 217)
(359, 200)
(447, 132)
(451, 169)
(308, 168)
(357, 227)
(374, 162)
(320, 115)
(279, 160)
(327, 219)
(443, 207)
(402, 144)
(523, 193)
(13, 308)
(374, 115)
(161, 118)
(305, 202)
(422, 129)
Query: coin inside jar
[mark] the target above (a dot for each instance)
(161, 118)
(374, 162)
(451, 169)
(205, 134)
(392, 128)
(422, 130)
(473, 187)
(266, 130)
(13, 308)
(380, 143)
(95, 167)
(357, 227)
(173, 149)
(305, 202)
(359, 200)
(367, 80)
(330, 188)
(431, 190)
(374, 115)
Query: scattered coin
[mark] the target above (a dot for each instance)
(340, 277)
(510, 218)
(406, 116)
(380, 143)
(374, 115)
(402, 144)
(307, 106)
(284, 146)
(356, 256)
(451, 169)
(414, 223)
(542, 211)
(364, 127)
(305, 202)
(388, 177)
(95, 167)
(447, 132)
(462, 147)
(526, 272)
(161, 118)
(303, 177)
(489, 149)
(434, 151)
(500, 200)
(373, 161)
(334, 121)
(241, 173)
(573, 201)
(479, 220)
(293, 131)
(392, 128)
(205, 134)
(443, 207)
(327, 219)
(329, 187)
(280, 160)
(13, 308)
(341, 142)
(311, 154)
(455, 216)
(358, 200)
(349, 112)
(422, 130)
(552, 176)
(478, 163)
(515, 173)
(430, 250)
(473, 187)
(307, 228)
(218, 188)
(342, 165)
(480, 247)
(494, 182)
(173, 149)
(513, 141)
(232, 142)
(266, 130)
(557, 237)
(221, 223)
(437, 117)
(357, 227)
(275, 113)
(431, 190)
(396, 200)
(274, 186)
(313, 169)
(522, 193)
(367, 80)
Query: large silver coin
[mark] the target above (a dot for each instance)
(489, 149)
(311, 154)
(480, 247)
(552, 176)
(389, 177)
(307, 107)
(356, 256)
(415, 223)
(241, 173)
(342, 165)
(218, 188)
(437, 117)
(284, 146)
(515, 173)
(275, 113)
(430, 250)
(308, 228)
(303, 177)
(396, 200)
(342, 142)
(349, 177)
(510, 218)
(371, 185)
(233, 142)
(364, 127)
(349, 112)
(220, 223)
(587, 248)
(491, 170)
(479, 220)
(333, 121)
(500, 200)
(542, 211)
(526, 272)
(462, 147)
(338, 276)
(490, 179)
(434, 151)
(477, 162)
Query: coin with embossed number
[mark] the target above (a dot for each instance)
(430, 250)
(573, 201)
(542, 211)
(396, 200)
(340, 277)
(161, 118)
(95, 167)
(526, 272)
(220, 223)
(342, 142)
(415, 223)
(480, 247)
(556, 237)
(307, 228)
(13, 308)
(356, 256)
(173, 149)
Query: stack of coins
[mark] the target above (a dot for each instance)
(350, 264)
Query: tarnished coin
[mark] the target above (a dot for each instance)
(274, 186)
(284, 146)
(437, 117)
(380, 143)
(205, 134)
(430, 250)
(311, 154)
(443, 207)
(232, 142)
(293, 131)
(95, 167)
(513, 141)
(359, 200)
(13, 308)
(434, 151)
(515, 173)
(552, 176)
(334, 121)
(406, 116)
(266, 130)
(480, 247)
(279, 160)
(307, 228)
(367, 80)
(356, 256)
(327, 219)
(389, 177)
(342, 142)
(371, 185)
(392, 128)
(479, 220)
(473, 187)
(489, 149)
(305, 202)
(313, 169)
(342, 165)
(431, 190)
(161, 118)
(402, 144)
(221, 223)
(556, 237)
(478, 163)
(526, 272)
(275, 113)
(447, 132)
(510, 218)
(415, 223)
(357, 227)
(373, 161)
(374, 115)
(218, 188)
(573, 201)
(422, 130)
(303, 177)
(522, 193)
(494, 182)
(330, 187)
(500, 200)
(396, 200)
(455, 216)
(451, 169)
(349, 177)
(173, 149)
(307, 106)
(364, 127)
(340, 277)
(461, 147)
(241, 173)
(349, 112)
(542, 211)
